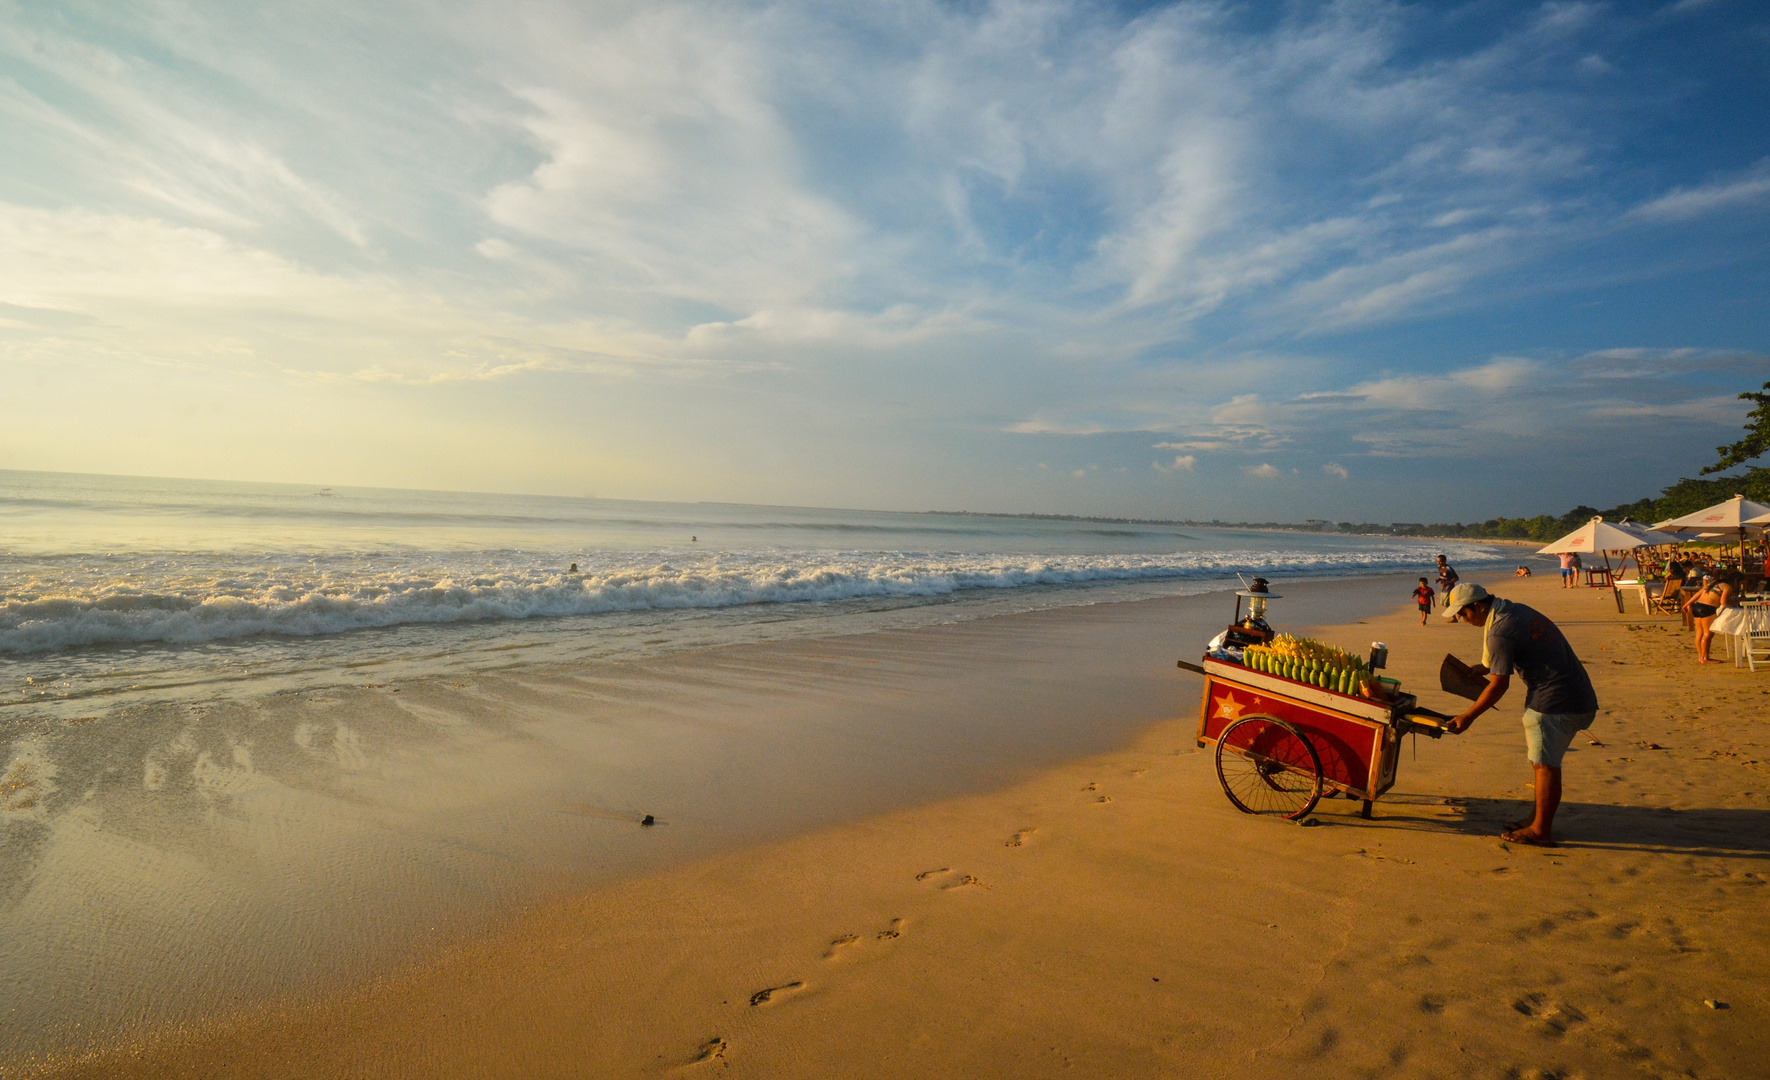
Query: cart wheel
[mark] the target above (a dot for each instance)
(1266, 766)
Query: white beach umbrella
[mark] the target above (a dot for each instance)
(1647, 533)
(1599, 535)
(1726, 517)
(1727, 520)
(1653, 537)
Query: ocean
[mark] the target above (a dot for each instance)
(119, 590)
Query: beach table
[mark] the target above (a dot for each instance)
(1646, 591)
(1639, 588)
(1282, 744)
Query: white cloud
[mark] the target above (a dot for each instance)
(1037, 426)
(147, 132)
(801, 171)
(1227, 437)
(1434, 393)
(1721, 409)
(666, 163)
(1182, 463)
(1663, 364)
(148, 291)
(1682, 204)
(1338, 472)
(1264, 471)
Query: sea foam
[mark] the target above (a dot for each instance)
(90, 601)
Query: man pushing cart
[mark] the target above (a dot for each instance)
(1293, 719)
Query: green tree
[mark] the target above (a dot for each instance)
(1757, 434)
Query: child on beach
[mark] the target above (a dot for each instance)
(1423, 597)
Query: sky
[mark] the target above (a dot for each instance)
(1362, 261)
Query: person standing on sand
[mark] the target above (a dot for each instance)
(1559, 703)
(1447, 578)
(1569, 564)
(1719, 592)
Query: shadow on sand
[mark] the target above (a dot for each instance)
(1734, 834)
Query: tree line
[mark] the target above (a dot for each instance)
(1684, 497)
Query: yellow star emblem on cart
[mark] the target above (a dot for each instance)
(1228, 708)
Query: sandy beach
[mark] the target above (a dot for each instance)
(1110, 914)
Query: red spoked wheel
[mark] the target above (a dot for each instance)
(1266, 766)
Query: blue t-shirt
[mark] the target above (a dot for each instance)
(1524, 641)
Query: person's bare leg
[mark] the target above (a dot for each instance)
(1548, 800)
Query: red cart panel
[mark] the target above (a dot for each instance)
(1357, 755)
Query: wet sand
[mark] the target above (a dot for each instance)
(1107, 913)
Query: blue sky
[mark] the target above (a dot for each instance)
(1355, 260)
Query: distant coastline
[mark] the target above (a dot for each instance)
(1327, 528)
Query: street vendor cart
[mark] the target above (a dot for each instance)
(1294, 720)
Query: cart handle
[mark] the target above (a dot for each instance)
(1424, 722)
(1191, 667)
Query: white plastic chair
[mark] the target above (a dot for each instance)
(1752, 647)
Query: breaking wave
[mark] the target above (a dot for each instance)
(89, 601)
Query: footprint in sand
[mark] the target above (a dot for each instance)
(1019, 838)
(1555, 1016)
(711, 1050)
(775, 993)
(1103, 799)
(895, 930)
(966, 882)
(838, 944)
(926, 874)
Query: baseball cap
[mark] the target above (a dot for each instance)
(1466, 593)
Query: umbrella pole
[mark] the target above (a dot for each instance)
(1610, 575)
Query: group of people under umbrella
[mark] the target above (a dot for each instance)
(1714, 607)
